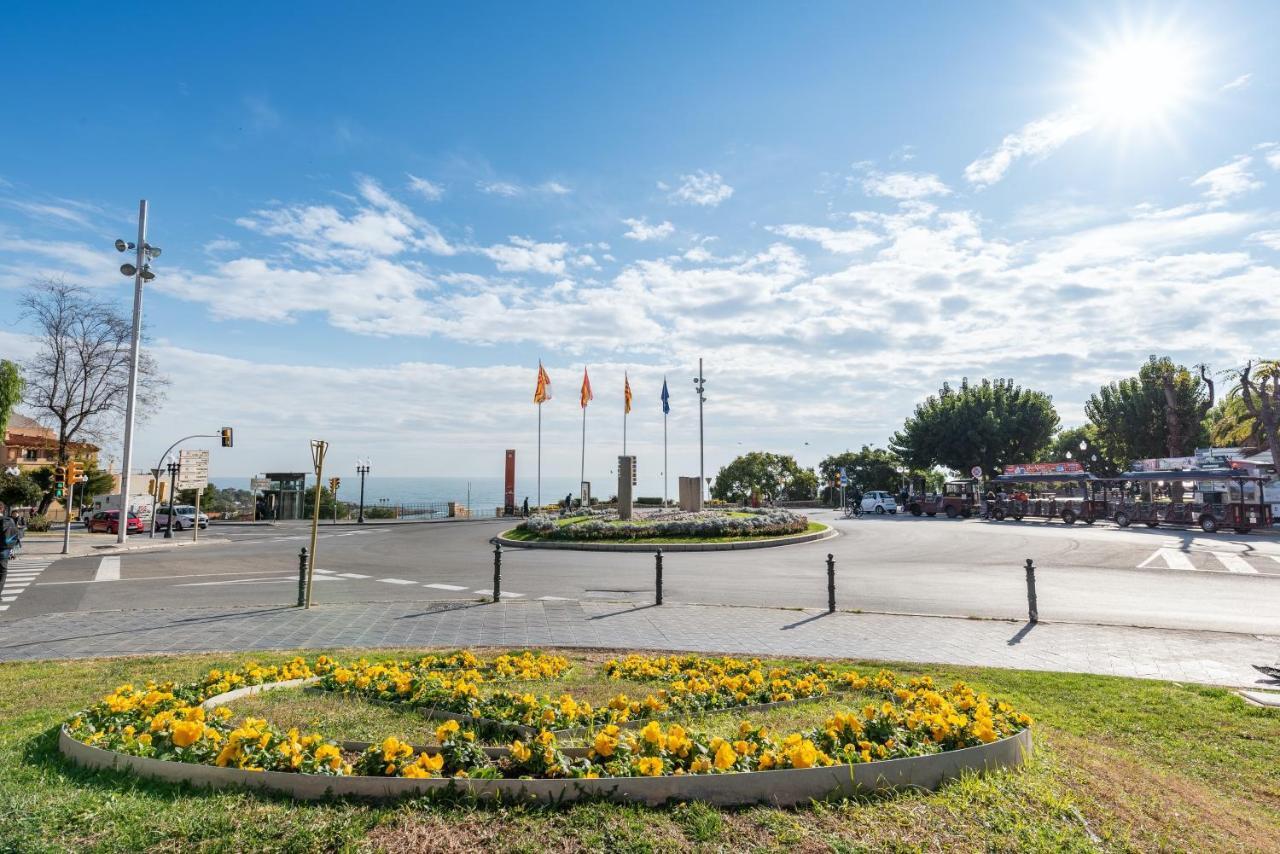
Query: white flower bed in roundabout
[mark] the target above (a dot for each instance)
(984, 735)
(672, 530)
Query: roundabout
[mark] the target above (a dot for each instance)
(672, 530)
(884, 733)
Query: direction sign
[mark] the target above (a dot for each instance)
(259, 483)
(193, 469)
(976, 471)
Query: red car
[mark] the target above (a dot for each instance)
(109, 521)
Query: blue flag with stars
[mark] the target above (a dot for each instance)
(666, 398)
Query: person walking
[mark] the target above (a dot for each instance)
(10, 540)
(525, 509)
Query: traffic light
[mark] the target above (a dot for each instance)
(59, 481)
(334, 483)
(226, 437)
(75, 471)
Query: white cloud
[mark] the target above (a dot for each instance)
(1269, 239)
(429, 190)
(641, 230)
(1035, 139)
(1239, 83)
(848, 241)
(904, 185)
(1229, 180)
(555, 188)
(523, 255)
(219, 245)
(499, 188)
(703, 188)
(1270, 153)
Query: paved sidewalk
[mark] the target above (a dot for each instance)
(81, 544)
(1205, 657)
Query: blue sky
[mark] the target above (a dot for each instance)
(377, 219)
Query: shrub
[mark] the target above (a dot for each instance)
(38, 524)
(770, 522)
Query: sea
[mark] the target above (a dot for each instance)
(476, 492)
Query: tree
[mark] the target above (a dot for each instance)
(18, 490)
(766, 474)
(79, 377)
(1231, 425)
(1159, 413)
(990, 424)
(1262, 402)
(327, 503)
(1066, 446)
(869, 468)
(11, 386)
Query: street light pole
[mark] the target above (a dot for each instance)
(362, 468)
(132, 398)
(173, 485)
(700, 384)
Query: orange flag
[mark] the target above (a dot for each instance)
(626, 394)
(587, 396)
(542, 393)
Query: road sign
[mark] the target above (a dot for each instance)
(976, 471)
(844, 476)
(260, 483)
(193, 469)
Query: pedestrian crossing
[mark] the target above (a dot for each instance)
(1212, 560)
(452, 588)
(22, 572)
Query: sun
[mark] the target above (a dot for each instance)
(1137, 80)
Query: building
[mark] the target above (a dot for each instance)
(29, 446)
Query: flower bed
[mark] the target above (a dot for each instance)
(707, 524)
(910, 718)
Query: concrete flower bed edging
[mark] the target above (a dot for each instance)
(788, 787)
(598, 546)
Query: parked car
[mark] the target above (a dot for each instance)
(184, 516)
(108, 521)
(879, 502)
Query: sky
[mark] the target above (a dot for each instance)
(376, 220)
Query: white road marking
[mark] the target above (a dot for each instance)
(445, 586)
(1234, 563)
(287, 579)
(1173, 559)
(8, 598)
(351, 575)
(108, 569)
(554, 599)
(4, 607)
(505, 593)
(327, 571)
(396, 581)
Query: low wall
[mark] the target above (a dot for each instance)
(593, 546)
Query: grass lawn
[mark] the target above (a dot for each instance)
(1120, 764)
(527, 536)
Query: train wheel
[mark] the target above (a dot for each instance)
(1123, 520)
(1089, 520)
(931, 515)
(1153, 523)
(1018, 514)
(998, 514)
(1208, 524)
(915, 510)
(1243, 530)
(951, 512)
(1069, 516)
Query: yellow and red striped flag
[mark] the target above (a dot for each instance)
(587, 396)
(626, 394)
(542, 393)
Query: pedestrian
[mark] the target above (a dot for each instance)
(525, 509)
(10, 540)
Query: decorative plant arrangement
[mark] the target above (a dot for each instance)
(625, 738)
(706, 524)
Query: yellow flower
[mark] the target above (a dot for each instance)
(445, 730)
(604, 745)
(725, 757)
(520, 752)
(187, 733)
(803, 755)
(649, 766)
(701, 765)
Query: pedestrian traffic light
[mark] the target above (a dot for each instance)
(59, 481)
(226, 437)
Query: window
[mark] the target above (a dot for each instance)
(32, 454)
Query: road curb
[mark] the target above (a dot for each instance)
(811, 537)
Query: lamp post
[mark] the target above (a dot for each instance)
(362, 469)
(141, 272)
(173, 481)
(700, 385)
(318, 449)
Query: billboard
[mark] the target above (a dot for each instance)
(1065, 467)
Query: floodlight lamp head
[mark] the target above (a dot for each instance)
(121, 245)
(128, 270)
(147, 275)
(152, 251)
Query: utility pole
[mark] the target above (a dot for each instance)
(362, 469)
(139, 266)
(700, 383)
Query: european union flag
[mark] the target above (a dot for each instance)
(666, 398)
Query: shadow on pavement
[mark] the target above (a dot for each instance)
(799, 623)
(1022, 633)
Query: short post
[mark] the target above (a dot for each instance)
(831, 584)
(657, 577)
(497, 572)
(302, 577)
(1033, 611)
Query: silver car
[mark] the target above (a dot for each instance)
(184, 516)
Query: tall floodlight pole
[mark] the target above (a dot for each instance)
(318, 449)
(700, 383)
(137, 269)
(362, 468)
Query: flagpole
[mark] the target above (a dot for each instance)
(539, 455)
(582, 472)
(664, 459)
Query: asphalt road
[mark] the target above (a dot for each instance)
(1161, 578)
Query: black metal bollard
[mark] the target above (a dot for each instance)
(497, 572)
(657, 577)
(302, 577)
(831, 584)
(1033, 610)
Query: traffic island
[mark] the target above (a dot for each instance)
(673, 531)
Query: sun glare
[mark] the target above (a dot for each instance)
(1138, 81)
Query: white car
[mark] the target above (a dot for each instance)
(878, 502)
(184, 516)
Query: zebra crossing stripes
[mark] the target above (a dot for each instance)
(1211, 560)
(22, 571)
